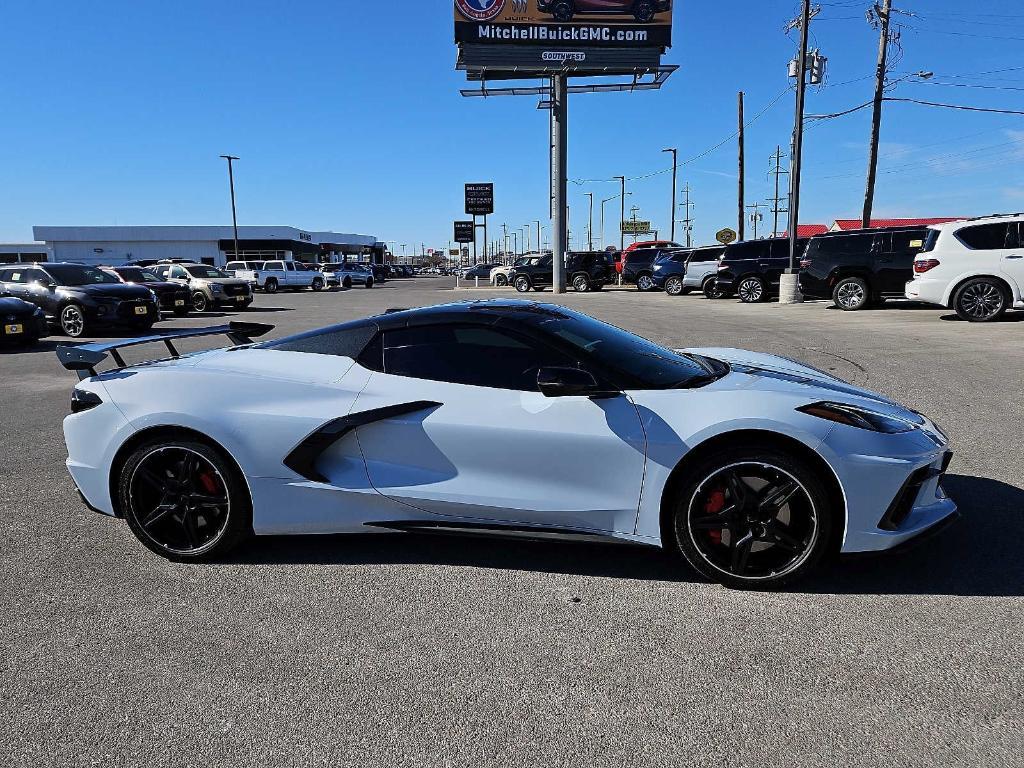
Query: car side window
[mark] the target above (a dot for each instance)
(987, 237)
(178, 273)
(481, 356)
(907, 242)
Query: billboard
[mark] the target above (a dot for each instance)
(480, 199)
(575, 23)
(464, 231)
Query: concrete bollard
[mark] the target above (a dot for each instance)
(789, 288)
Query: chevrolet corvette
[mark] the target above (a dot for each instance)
(504, 416)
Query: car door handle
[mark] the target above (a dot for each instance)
(1016, 256)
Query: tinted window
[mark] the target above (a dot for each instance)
(75, 274)
(178, 273)
(205, 272)
(911, 241)
(481, 356)
(136, 275)
(641, 362)
(752, 249)
(342, 341)
(988, 236)
(12, 276)
(842, 246)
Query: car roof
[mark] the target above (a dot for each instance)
(994, 218)
(870, 231)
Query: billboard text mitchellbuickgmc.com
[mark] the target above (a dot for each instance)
(574, 34)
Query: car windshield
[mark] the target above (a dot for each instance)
(75, 274)
(649, 365)
(204, 272)
(135, 275)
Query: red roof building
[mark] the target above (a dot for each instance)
(842, 225)
(808, 230)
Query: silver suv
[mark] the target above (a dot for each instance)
(211, 288)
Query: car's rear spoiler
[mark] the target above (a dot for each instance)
(84, 359)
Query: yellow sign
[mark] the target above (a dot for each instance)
(726, 236)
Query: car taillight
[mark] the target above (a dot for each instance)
(805, 263)
(923, 265)
(83, 401)
(722, 267)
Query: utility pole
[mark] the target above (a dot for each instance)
(559, 166)
(789, 286)
(687, 205)
(675, 168)
(777, 170)
(755, 216)
(622, 212)
(883, 14)
(504, 240)
(515, 243)
(739, 102)
(231, 181)
(590, 225)
(540, 245)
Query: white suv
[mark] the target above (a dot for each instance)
(975, 267)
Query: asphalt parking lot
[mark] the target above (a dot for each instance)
(412, 650)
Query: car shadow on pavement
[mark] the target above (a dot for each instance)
(1009, 317)
(582, 558)
(978, 555)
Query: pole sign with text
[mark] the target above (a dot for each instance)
(463, 232)
(558, 23)
(630, 227)
(480, 199)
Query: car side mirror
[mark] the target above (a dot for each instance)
(570, 382)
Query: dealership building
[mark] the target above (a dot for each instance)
(209, 245)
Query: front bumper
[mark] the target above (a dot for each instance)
(891, 483)
(31, 327)
(122, 312)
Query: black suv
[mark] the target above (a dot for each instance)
(638, 266)
(173, 297)
(752, 269)
(584, 271)
(80, 297)
(859, 267)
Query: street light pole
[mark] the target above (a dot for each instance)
(675, 168)
(789, 286)
(590, 224)
(231, 181)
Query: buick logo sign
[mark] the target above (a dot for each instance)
(480, 10)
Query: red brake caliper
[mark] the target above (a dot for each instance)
(209, 482)
(714, 505)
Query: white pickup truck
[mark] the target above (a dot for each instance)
(272, 276)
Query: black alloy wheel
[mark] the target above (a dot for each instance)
(751, 290)
(981, 300)
(318, 284)
(199, 302)
(501, 279)
(523, 284)
(753, 519)
(851, 294)
(674, 286)
(72, 321)
(184, 500)
(563, 11)
(711, 290)
(643, 11)
(581, 284)
(270, 286)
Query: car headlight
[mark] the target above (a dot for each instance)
(855, 416)
(216, 288)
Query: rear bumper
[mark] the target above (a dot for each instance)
(929, 291)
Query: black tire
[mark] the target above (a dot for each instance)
(751, 290)
(72, 321)
(851, 294)
(643, 11)
(981, 300)
(522, 284)
(318, 284)
(270, 286)
(645, 282)
(346, 283)
(501, 279)
(710, 288)
(369, 282)
(674, 286)
(563, 11)
(581, 283)
(174, 508)
(777, 532)
(199, 302)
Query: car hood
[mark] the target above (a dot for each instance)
(110, 291)
(161, 287)
(221, 280)
(757, 370)
(10, 305)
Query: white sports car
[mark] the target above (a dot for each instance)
(501, 415)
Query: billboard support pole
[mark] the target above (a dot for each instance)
(474, 240)
(559, 171)
(485, 240)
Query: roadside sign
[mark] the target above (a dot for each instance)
(631, 227)
(480, 199)
(463, 232)
(726, 236)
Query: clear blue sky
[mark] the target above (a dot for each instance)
(347, 116)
